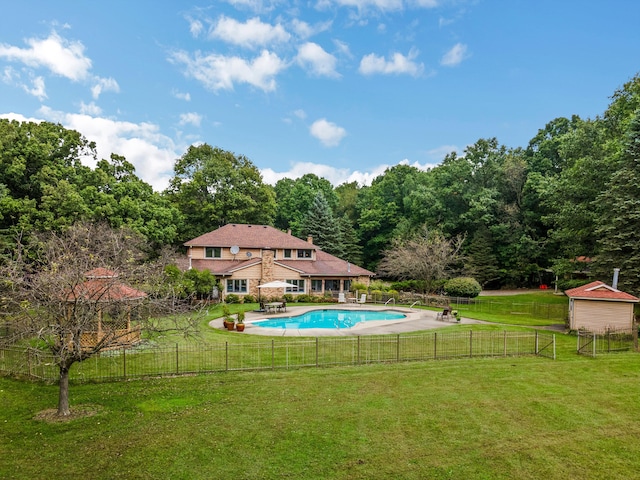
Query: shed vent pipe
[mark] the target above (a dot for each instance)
(616, 272)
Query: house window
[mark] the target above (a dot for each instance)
(287, 253)
(316, 286)
(346, 285)
(305, 253)
(299, 286)
(333, 285)
(212, 252)
(236, 286)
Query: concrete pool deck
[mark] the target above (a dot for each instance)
(417, 319)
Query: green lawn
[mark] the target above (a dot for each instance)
(482, 418)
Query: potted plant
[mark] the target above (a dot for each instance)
(456, 315)
(228, 320)
(240, 321)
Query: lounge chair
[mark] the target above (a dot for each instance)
(341, 298)
(363, 299)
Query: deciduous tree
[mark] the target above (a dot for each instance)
(76, 292)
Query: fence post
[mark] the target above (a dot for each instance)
(29, 361)
(435, 345)
(554, 346)
(124, 362)
(634, 332)
(273, 354)
(594, 345)
(316, 352)
(470, 343)
(226, 356)
(398, 348)
(358, 354)
(505, 344)
(177, 363)
(537, 351)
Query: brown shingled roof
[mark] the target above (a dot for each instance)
(249, 236)
(600, 291)
(326, 264)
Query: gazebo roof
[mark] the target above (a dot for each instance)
(101, 287)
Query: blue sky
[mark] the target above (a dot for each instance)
(340, 88)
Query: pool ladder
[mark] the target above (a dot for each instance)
(414, 304)
(390, 300)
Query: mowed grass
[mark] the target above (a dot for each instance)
(524, 418)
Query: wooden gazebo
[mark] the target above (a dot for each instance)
(108, 296)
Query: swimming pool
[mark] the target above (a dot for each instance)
(329, 318)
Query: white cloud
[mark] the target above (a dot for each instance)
(305, 30)
(152, 153)
(251, 34)
(218, 72)
(38, 89)
(397, 65)
(382, 5)
(442, 151)
(62, 57)
(90, 109)
(455, 55)
(182, 96)
(104, 85)
(190, 118)
(336, 176)
(195, 27)
(313, 58)
(343, 48)
(327, 132)
(361, 5)
(301, 114)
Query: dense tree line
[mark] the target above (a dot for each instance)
(526, 214)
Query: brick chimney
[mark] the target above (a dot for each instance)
(310, 239)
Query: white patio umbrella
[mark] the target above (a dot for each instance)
(276, 284)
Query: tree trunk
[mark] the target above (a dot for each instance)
(63, 395)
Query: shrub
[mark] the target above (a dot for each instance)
(249, 299)
(419, 286)
(232, 298)
(358, 287)
(462, 287)
(287, 297)
(304, 298)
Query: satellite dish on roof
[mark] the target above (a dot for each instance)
(234, 249)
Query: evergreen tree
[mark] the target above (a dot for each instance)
(320, 223)
(352, 250)
(619, 207)
(481, 263)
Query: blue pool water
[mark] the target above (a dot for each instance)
(329, 319)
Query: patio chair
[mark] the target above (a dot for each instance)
(363, 299)
(282, 307)
(341, 298)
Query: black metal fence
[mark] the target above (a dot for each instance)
(609, 341)
(145, 361)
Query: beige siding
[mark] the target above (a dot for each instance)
(598, 316)
(197, 253)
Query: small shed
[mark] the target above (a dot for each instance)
(598, 307)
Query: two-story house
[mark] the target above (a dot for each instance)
(245, 256)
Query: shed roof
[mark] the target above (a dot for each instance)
(600, 291)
